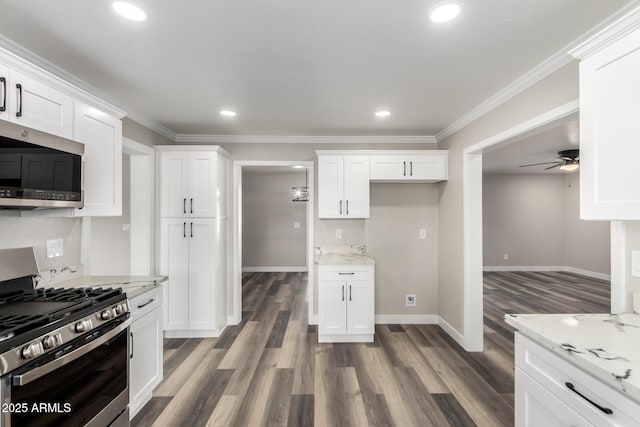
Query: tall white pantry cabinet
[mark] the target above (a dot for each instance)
(193, 238)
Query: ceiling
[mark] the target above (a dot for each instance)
(292, 67)
(538, 147)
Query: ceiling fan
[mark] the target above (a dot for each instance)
(569, 161)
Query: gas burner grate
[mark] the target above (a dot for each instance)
(12, 325)
(62, 295)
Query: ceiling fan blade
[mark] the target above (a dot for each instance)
(538, 164)
(554, 166)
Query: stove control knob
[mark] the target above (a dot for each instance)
(105, 315)
(83, 326)
(50, 341)
(117, 310)
(32, 350)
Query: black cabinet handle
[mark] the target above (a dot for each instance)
(342, 292)
(340, 207)
(3, 107)
(184, 229)
(350, 293)
(571, 387)
(347, 207)
(184, 205)
(191, 205)
(404, 170)
(146, 303)
(410, 168)
(19, 112)
(345, 274)
(131, 355)
(191, 229)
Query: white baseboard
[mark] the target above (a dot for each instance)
(565, 268)
(274, 269)
(453, 332)
(406, 319)
(232, 321)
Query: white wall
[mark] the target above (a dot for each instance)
(632, 238)
(535, 219)
(109, 246)
(269, 238)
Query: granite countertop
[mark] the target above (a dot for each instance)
(343, 255)
(607, 346)
(133, 286)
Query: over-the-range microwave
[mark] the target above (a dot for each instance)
(39, 170)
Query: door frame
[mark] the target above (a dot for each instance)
(141, 206)
(472, 216)
(236, 295)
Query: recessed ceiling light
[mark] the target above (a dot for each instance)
(130, 11)
(298, 167)
(445, 12)
(228, 113)
(383, 113)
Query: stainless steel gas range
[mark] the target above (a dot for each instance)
(64, 356)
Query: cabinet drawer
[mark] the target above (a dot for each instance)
(553, 373)
(145, 303)
(345, 274)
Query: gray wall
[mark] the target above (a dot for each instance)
(535, 220)
(405, 264)
(632, 240)
(110, 244)
(556, 89)
(268, 214)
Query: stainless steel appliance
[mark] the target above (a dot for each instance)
(39, 170)
(64, 356)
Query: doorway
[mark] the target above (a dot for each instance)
(263, 257)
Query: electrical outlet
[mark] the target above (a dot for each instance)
(506, 256)
(635, 263)
(55, 248)
(338, 233)
(126, 227)
(410, 300)
(422, 233)
(296, 225)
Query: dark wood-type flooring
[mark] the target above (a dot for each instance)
(270, 370)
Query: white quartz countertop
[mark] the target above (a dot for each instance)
(344, 259)
(131, 285)
(606, 346)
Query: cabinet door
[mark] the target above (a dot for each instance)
(331, 187)
(202, 185)
(174, 262)
(332, 308)
(39, 106)
(101, 135)
(174, 183)
(610, 131)
(4, 92)
(145, 365)
(388, 168)
(356, 186)
(536, 406)
(427, 168)
(202, 273)
(360, 307)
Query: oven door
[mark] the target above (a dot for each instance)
(88, 385)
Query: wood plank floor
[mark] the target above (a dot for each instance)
(270, 370)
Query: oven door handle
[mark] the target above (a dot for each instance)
(40, 371)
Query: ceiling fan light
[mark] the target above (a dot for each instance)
(569, 167)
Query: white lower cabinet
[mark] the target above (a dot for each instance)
(145, 366)
(551, 392)
(346, 303)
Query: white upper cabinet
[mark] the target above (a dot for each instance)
(39, 106)
(101, 135)
(409, 166)
(189, 184)
(343, 186)
(610, 125)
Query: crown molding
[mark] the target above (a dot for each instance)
(544, 69)
(304, 139)
(153, 125)
(613, 32)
